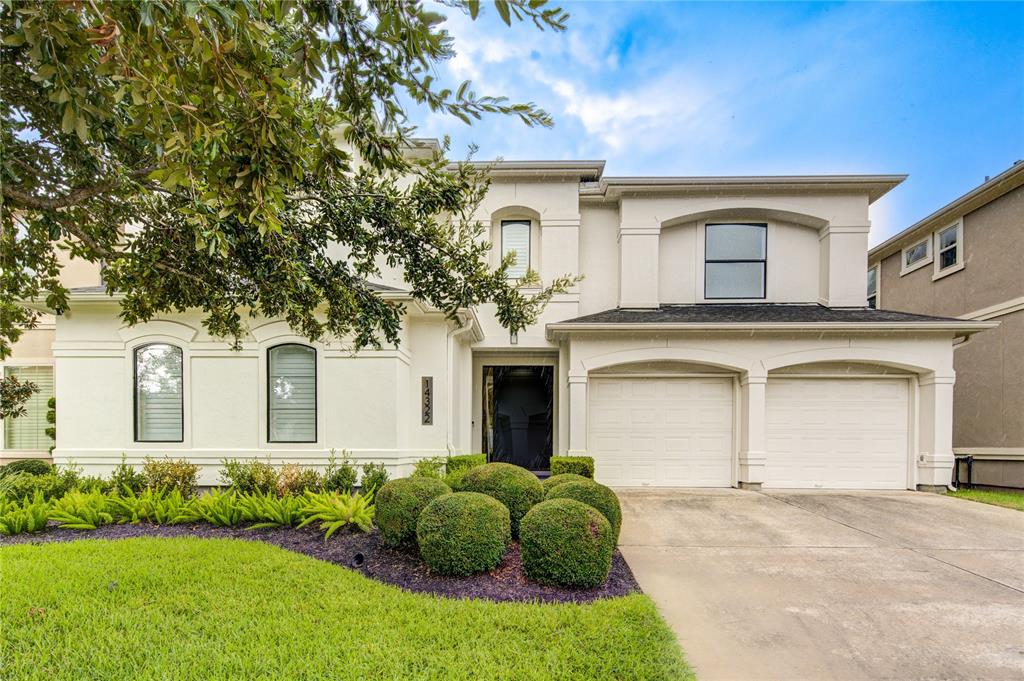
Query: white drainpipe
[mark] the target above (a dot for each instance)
(465, 325)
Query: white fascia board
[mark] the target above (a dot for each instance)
(962, 328)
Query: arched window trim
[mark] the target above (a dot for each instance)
(135, 391)
(316, 395)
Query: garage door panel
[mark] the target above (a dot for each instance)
(849, 433)
(664, 432)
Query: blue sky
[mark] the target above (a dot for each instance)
(932, 90)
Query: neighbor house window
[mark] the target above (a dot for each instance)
(515, 238)
(873, 287)
(948, 247)
(292, 393)
(158, 393)
(28, 431)
(916, 256)
(734, 260)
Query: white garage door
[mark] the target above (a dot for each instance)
(843, 433)
(666, 432)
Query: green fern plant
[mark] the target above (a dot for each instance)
(30, 515)
(160, 507)
(269, 510)
(219, 508)
(335, 511)
(82, 510)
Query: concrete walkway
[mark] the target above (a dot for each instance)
(832, 585)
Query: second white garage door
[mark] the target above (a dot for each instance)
(664, 432)
(842, 433)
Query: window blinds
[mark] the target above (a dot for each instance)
(515, 237)
(28, 432)
(158, 394)
(292, 394)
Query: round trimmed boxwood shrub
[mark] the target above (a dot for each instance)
(516, 487)
(30, 466)
(592, 494)
(463, 533)
(567, 543)
(398, 507)
(560, 479)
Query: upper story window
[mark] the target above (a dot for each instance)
(158, 393)
(873, 286)
(734, 260)
(291, 393)
(916, 256)
(30, 431)
(949, 252)
(515, 238)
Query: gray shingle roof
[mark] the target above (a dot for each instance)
(752, 313)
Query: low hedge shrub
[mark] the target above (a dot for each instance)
(429, 468)
(567, 543)
(30, 466)
(375, 475)
(296, 480)
(592, 494)
(458, 466)
(171, 474)
(580, 465)
(249, 477)
(340, 476)
(560, 479)
(399, 504)
(516, 487)
(463, 533)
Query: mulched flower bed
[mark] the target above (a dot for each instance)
(504, 583)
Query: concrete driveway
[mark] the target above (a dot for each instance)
(832, 585)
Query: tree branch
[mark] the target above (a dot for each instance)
(77, 195)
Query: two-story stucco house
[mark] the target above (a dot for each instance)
(965, 260)
(720, 337)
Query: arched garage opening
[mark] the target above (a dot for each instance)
(663, 423)
(839, 425)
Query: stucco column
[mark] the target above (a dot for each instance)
(843, 273)
(935, 440)
(577, 415)
(638, 265)
(753, 432)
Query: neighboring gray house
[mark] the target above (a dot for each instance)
(966, 260)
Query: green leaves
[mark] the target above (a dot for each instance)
(214, 130)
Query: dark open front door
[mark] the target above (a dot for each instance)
(518, 408)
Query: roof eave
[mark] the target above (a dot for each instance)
(965, 328)
(876, 186)
(981, 195)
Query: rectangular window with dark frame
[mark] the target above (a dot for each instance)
(159, 393)
(735, 260)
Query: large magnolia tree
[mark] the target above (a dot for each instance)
(207, 153)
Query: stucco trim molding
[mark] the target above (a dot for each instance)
(158, 327)
(900, 360)
(998, 310)
(692, 355)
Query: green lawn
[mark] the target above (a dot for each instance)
(996, 498)
(202, 609)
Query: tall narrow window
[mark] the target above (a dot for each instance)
(292, 393)
(515, 238)
(159, 390)
(28, 431)
(873, 287)
(734, 260)
(947, 247)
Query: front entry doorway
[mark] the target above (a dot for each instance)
(518, 415)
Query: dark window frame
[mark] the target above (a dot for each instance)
(316, 396)
(135, 391)
(529, 242)
(763, 261)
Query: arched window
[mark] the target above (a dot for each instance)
(159, 391)
(291, 393)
